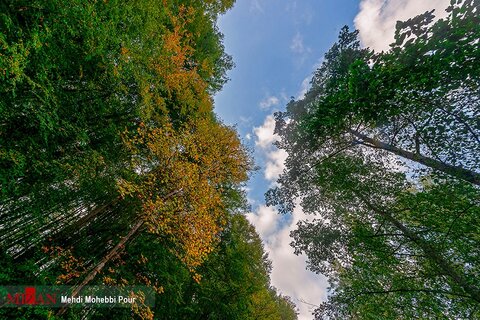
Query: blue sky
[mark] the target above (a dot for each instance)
(276, 45)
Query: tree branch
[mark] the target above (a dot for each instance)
(458, 172)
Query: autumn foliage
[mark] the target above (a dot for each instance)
(182, 174)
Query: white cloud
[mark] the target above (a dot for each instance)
(265, 220)
(288, 274)
(274, 158)
(269, 102)
(300, 50)
(248, 136)
(297, 45)
(304, 88)
(275, 164)
(377, 18)
(264, 133)
(255, 6)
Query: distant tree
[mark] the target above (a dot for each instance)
(236, 284)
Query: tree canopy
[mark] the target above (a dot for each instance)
(383, 150)
(114, 168)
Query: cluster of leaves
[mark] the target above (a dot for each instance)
(114, 169)
(192, 165)
(384, 148)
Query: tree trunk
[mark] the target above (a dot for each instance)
(458, 172)
(62, 236)
(115, 250)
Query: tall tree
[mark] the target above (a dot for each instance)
(108, 139)
(182, 176)
(384, 148)
(74, 77)
(417, 101)
(380, 238)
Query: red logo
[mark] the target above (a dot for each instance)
(31, 297)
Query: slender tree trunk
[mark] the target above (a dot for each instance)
(458, 172)
(429, 251)
(67, 232)
(115, 250)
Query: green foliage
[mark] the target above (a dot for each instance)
(106, 109)
(236, 284)
(106, 123)
(380, 239)
(384, 149)
(74, 76)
